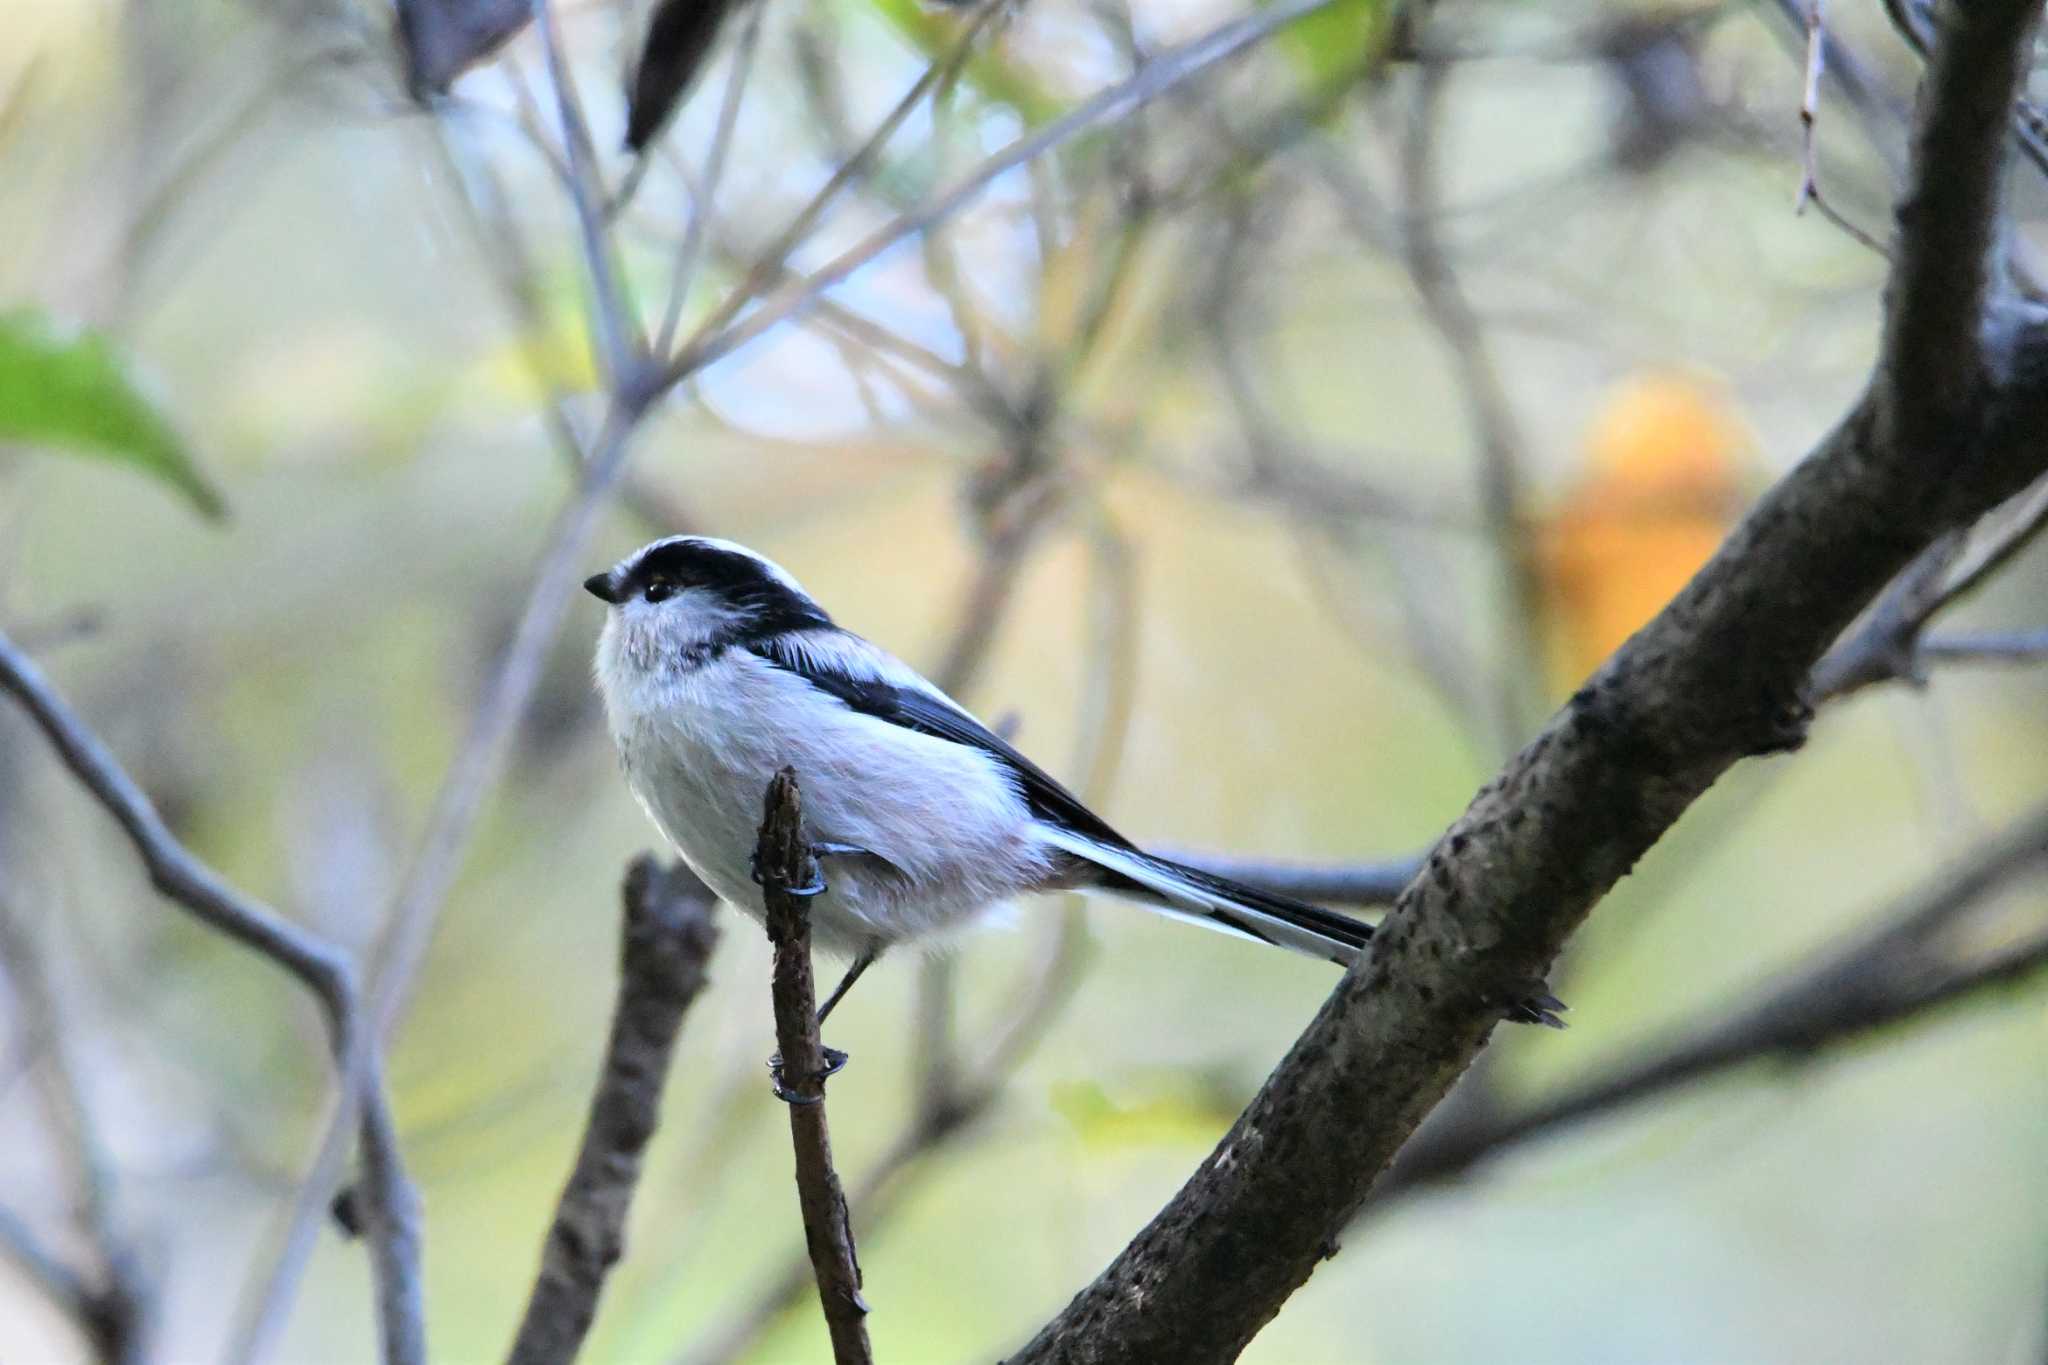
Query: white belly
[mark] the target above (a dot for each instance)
(951, 835)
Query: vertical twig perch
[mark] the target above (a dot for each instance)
(665, 945)
(783, 860)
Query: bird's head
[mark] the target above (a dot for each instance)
(687, 597)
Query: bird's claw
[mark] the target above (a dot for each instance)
(816, 886)
(835, 1061)
(1537, 1006)
(819, 852)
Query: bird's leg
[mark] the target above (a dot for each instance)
(860, 964)
(834, 1058)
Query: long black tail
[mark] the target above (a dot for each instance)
(1232, 907)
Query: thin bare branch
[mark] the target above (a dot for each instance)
(63, 628)
(785, 865)
(1169, 70)
(1809, 99)
(1496, 433)
(2011, 647)
(482, 206)
(1889, 645)
(1886, 975)
(44, 1268)
(112, 1302)
(416, 907)
(1344, 883)
(1818, 46)
(613, 323)
(665, 948)
(690, 252)
(772, 262)
(1877, 113)
(970, 385)
(390, 1204)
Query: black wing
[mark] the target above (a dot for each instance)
(930, 714)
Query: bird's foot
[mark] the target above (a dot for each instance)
(819, 852)
(835, 1060)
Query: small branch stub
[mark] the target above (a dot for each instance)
(787, 869)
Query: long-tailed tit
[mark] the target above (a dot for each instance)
(718, 670)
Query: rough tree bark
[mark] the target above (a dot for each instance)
(665, 947)
(1946, 430)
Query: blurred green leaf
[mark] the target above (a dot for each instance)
(1334, 43)
(68, 389)
(1185, 1114)
(987, 71)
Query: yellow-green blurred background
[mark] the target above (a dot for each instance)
(1312, 652)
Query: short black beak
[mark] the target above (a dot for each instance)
(599, 585)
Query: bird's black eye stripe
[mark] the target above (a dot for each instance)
(763, 603)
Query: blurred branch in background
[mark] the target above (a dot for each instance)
(666, 936)
(106, 1321)
(1324, 509)
(1902, 970)
(772, 264)
(112, 1299)
(1163, 74)
(1364, 884)
(1501, 447)
(2011, 647)
(704, 195)
(1892, 642)
(500, 245)
(54, 632)
(389, 1203)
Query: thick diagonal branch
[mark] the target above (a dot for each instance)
(783, 862)
(1717, 676)
(664, 947)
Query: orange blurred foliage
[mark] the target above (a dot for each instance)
(1663, 482)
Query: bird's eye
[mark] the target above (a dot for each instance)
(660, 590)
